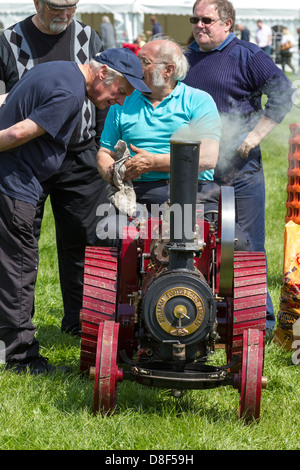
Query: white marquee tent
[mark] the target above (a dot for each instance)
(129, 14)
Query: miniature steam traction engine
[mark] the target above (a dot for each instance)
(176, 288)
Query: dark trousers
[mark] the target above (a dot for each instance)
(75, 193)
(158, 192)
(286, 59)
(18, 270)
(248, 181)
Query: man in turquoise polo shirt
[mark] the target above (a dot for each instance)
(147, 122)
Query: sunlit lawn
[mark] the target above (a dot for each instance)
(57, 412)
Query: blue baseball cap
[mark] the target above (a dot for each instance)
(123, 60)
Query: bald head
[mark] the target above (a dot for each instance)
(167, 51)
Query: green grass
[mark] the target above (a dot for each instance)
(56, 412)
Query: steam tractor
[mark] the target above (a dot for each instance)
(156, 308)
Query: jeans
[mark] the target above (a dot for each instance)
(267, 50)
(249, 186)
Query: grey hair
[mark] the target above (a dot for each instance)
(112, 74)
(172, 53)
(105, 19)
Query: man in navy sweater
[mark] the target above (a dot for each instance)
(37, 120)
(236, 74)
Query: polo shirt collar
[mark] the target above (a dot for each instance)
(225, 43)
(174, 92)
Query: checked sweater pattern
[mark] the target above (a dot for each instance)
(22, 46)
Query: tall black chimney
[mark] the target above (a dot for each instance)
(184, 169)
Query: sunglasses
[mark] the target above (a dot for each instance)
(205, 20)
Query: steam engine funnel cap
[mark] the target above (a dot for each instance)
(184, 141)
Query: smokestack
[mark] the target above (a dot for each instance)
(184, 170)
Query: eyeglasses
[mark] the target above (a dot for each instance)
(146, 62)
(205, 20)
(57, 11)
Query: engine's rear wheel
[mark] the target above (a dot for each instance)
(249, 300)
(99, 299)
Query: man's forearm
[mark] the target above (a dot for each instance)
(144, 162)
(19, 134)
(209, 153)
(105, 165)
(264, 126)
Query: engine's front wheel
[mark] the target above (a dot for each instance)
(107, 374)
(250, 377)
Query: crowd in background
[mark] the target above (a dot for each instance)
(277, 42)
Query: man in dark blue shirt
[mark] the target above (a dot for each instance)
(37, 120)
(245, 33)
(51, 34)
(156, 27)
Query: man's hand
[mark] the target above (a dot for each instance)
(252, 140)
(140, 163)
(264, 126)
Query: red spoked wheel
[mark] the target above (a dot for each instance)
(249, 300)
(250, 378)
(99, 299)
(107, 374)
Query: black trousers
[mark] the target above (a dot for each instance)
(18, 270)
(75, 193)
(286, 59)
(158, 192)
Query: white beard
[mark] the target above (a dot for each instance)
(157, 78)
(58, 27)
(55, 26)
